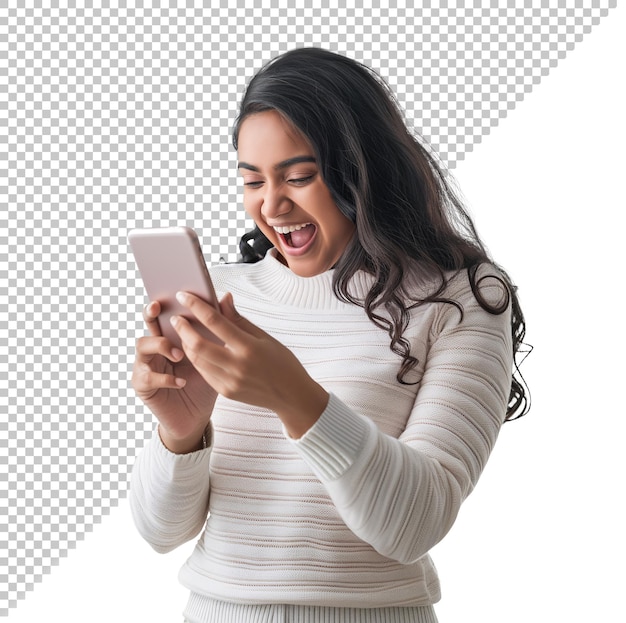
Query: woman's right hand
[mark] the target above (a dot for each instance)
(171, 388)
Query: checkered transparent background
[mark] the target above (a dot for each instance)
(119, 117)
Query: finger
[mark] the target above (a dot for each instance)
(228, 309)
(195, 345)
(211, 318)
(212, 361)
(150, 316)
(146, 380)
(232, 328)
(149, 346)
(227, 305)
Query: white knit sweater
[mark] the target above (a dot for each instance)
(346, 515)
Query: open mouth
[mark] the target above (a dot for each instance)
(297, 238)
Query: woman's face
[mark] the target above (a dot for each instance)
(285, 195)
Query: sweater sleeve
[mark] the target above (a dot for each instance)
(402, 495)
(169, 494)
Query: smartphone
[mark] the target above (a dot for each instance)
(170, 259)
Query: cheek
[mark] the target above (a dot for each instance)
(252, 208)
(340, 223)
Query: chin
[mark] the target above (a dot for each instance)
(306, 269)
(303, 271)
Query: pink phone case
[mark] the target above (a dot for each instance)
(170, 260)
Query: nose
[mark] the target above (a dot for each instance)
(275, 202)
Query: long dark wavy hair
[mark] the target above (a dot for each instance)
(383, 179)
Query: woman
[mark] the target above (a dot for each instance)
(366, 369)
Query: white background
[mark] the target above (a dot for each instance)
(541, 538)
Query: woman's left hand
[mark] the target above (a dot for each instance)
(251, 366)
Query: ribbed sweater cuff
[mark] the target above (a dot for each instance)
(168, 461)
(331, 446)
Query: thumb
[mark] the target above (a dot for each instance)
(227, 306)
(228, 309)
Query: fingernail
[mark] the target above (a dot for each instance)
(181, 382)
(174, 320)
(182, 297)
(177, 354)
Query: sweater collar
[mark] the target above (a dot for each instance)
(285, 287)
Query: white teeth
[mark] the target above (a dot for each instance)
(290, 228)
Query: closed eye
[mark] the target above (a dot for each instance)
(295, 181)
(253, 184)
(301, 181)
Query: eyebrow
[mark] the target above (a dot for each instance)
(285, 164)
